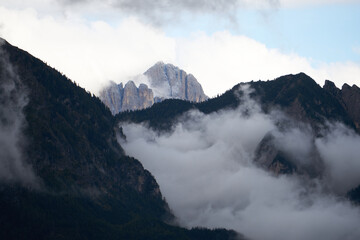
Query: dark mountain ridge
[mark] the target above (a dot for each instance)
(349, 98)
(298, 95)
(307, 107)
(85, 187)
(303, 99)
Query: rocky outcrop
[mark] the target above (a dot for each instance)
(173, 82)
(270, 157)
(165, 81)
(111, 96)
(349, 97)
(146, 96)
(129, 97)
(136, 98)
(330, 87)
(193, 90)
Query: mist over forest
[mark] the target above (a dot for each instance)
(207, 169)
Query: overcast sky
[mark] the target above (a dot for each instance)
(220, 42)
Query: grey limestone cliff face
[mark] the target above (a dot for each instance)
(112, 97)
(129, 97)
(172, 82)
(165, 81)
(146, 96)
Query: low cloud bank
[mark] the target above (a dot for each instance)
(206, 171)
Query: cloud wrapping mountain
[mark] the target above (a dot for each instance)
(206, 171)
(13, 99)
(340, 151)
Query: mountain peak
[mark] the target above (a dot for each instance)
(130, 84)
(162, 64)
(303, 78)
(330, 87)
(353, 87)
(329, 83)
(345, 86)
(165, 81)
(159, 63)
(301, 74)
(173, 82)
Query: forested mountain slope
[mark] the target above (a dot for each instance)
(63, 174)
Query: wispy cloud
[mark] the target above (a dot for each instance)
(340, 150)
(13, 99)
(95, 53)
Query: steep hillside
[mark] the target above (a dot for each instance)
(302, 98)
(64, 175)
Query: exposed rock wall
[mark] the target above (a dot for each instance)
(173, 82)
(112, 97)
(129, 97)
(165, 80)
(349, 97)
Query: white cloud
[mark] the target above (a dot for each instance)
(93, 52)
(340, 150)
(206, 172)
(221, 60)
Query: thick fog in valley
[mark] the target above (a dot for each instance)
(206, 171)
(13, 99)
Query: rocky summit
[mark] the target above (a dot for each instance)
(165, 81)
(349, 97)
